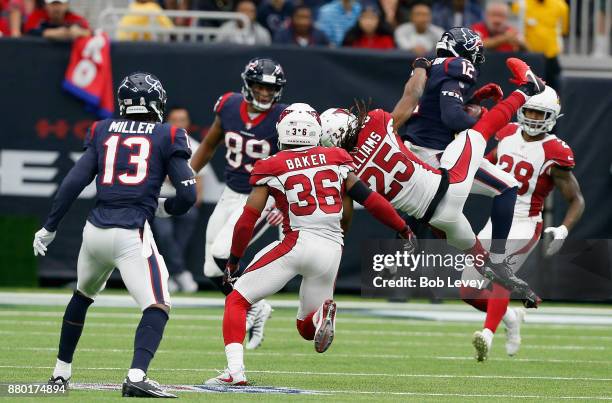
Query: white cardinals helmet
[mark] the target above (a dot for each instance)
(548, 102)
(336, 124)
(299, 125)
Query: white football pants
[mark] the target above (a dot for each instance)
(134, 253)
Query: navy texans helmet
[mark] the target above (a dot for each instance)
(141, 93)
(265, 72)
(461, 42)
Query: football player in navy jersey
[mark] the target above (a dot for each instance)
(246, 124)
(442, 112)
(129, 158)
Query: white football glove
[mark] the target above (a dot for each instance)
(161, 210)
(42, 239)
(558, 234)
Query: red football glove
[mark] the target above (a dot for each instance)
(489, 91)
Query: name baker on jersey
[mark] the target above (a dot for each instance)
(306, 162)
(131, 127)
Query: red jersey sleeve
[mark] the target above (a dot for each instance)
(506, 131)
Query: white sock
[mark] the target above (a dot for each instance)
(235, 357)
(136, 374)
(509, 316)
(63, 369)
(488, 333)
(496, 257)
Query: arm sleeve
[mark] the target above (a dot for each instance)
(81, 175)
(182, 178)
(451, 107)
(243, 231)
(377, 205)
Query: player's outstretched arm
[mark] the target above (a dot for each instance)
(347, 214)
(243, 230)
(453, 114)
(377, 205)
(412, 93)
(569, 187)
(207, 148)
(81, 175)
(185, 183)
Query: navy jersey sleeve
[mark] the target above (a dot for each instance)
(81, 175)
(461, 69)
(182, 177)
(89, 137)
(179, 144)
(451, 107)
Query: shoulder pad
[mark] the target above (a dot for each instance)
(559, 152)
(222, 100)
(506, 131)
(461, 69)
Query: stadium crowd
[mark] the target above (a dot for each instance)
(413, 25)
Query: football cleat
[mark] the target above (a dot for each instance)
(528, 82)
(482, 341)
(227, 378)
(144, 388)
(59, 380)
(513, 331)
(185, 282)
(502, 274)
(256, 333)
(325, 326)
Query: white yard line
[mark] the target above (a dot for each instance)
(220, 353)
(216, 326)
(350, 374)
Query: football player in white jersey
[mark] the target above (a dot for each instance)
(314, 188)
(539, 161)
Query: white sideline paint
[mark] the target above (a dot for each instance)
(461, 313)
(351, 374)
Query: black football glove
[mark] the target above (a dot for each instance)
(421, 63)
(411, 243)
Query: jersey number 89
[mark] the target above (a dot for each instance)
(237, 148)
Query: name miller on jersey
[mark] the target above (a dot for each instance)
(306, 162)
(365, 150)
(122, 127)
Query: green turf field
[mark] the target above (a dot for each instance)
(374, 359)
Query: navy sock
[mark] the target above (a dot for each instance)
(72, 326)
(148, 336)
(502, 213)
(218, 281)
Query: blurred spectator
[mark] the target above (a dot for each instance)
(180, 5)
(601, 42)
(456, 13)
(56, 21)
(301, 30)
(13, 13)
(252, 34)
(418, 36)
(545, 21)
(142, 21)
(337, 17)
(274, 14)
(173, 234)
(214, 5)
(371, 31)
(389, 10)
(495, 31)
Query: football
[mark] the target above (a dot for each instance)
(473, 110)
